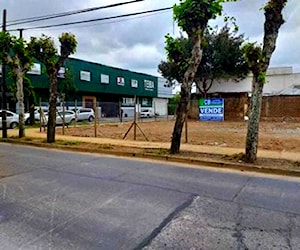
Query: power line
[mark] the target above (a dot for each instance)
(111, 22)
(68, 13)
(94, 20)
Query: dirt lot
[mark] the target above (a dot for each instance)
(278, 136)
(273, 136)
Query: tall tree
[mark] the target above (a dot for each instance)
(45, 51)
(222, 58)
(192, 17)
(18, 56)
(259, 60)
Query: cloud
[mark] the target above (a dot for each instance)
(137, 43)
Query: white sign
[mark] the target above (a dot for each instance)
(36, 69)
(149, 85)
(85, 76)
(120, 81)
(134, 83)
(104, 79)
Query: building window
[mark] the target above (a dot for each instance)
(104, 79)
(128, 102)
(36, 69)
(148, 85)
(146, 102)
(134, 83)
(120, 81)
(85, 76)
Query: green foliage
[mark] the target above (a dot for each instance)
(261, 77)
(222, 57)
(15, 51)
(173, 102)
(193, 15)
(253, 55)
(178, 54)
(68, 44)
(44, 50)
(5, 43)
(28, 89)
(66, 85)
(275, 5)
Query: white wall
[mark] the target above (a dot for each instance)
(164, 90)
(277, 80)
(160, 106)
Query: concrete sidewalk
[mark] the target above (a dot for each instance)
(35, 133)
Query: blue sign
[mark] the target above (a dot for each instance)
(211, 109)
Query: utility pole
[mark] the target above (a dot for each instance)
(4, 104)
(20, 33)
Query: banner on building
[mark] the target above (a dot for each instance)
(211, 109)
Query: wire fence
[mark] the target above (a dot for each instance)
(76, 114)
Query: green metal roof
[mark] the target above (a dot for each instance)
(97, 78)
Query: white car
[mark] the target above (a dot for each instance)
(146, 113)
(69, 116)
(12, 119)
(36, 115)
(85, 114)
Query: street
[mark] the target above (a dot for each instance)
(51, 199)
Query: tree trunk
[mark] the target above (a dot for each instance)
(52, 108)
(181, 116)
(31, 111)
(273, 22)
(254, 117)
(185, 95)
(20, 98)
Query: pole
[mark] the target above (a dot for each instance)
(4, 104)
(20, 33)
(76, 113)
(134, 129)
(64, 113)
(96, 118)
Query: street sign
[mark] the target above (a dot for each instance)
(211, 109)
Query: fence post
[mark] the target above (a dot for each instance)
(76, 116)
(40, 110)
(64, 116)
(96, 118)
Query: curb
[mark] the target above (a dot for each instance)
(169, 158)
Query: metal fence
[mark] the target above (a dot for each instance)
(103, 113)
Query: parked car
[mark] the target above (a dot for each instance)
(70, 117)
(146, 113)
(36, 115)
(85, 114)
(12, 120)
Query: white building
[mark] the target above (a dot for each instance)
(278, 79)
(164, 93)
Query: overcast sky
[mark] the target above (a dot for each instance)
(137, 43)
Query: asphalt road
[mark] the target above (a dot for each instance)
(62, 200)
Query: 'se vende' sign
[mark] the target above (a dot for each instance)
(211, 109)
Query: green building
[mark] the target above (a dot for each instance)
(89, 83)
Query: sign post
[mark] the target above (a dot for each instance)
(211, 109)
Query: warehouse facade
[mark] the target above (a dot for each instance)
(113, 89)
